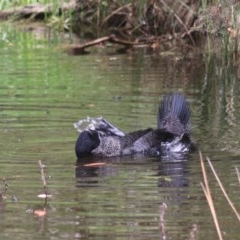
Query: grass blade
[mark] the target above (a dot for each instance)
(208, 195)
(223, 190)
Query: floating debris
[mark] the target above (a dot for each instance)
(96, 164)
(44, 195)
(40, 213)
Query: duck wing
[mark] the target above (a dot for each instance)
(108, 129)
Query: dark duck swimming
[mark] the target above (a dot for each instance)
(171, 135)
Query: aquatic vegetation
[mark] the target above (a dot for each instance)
(41, 212)
(209, 197)
(3, 193)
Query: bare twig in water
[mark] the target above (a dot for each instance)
(208, 195)
(6, 185)
(3, 193)
(162, 209)
(41, 166)
(223, 190)
(238, 175)
(193, 231)
(45, 195)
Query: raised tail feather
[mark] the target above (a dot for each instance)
(174, 114)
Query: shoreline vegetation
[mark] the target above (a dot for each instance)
(158, 24)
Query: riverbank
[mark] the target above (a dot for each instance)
(163, 24)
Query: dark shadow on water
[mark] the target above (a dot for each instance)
(89, 172)
(173, 180)
(172, 169)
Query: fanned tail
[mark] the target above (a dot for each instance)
(174, 114)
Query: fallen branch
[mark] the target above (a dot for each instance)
(81, 49)
(126, 43)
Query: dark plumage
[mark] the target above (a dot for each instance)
(174, 114)
(171, 135)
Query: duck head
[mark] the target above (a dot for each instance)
(87, 141)
(103, 137)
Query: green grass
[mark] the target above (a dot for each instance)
(13, 3)
(61, 22)
(5, 4)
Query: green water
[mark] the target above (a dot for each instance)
(44, 90)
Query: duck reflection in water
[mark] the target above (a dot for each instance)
(172, 134)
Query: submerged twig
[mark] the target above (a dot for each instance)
(162, 209)
(42, 211)
(45, 195)
(3, 193)
(193, 231)
(41, 166)
(238, 175)
(208, 195)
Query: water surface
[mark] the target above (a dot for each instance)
(44, 91)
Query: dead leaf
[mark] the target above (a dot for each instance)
(43, 195)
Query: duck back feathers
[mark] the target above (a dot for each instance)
(113, 145)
